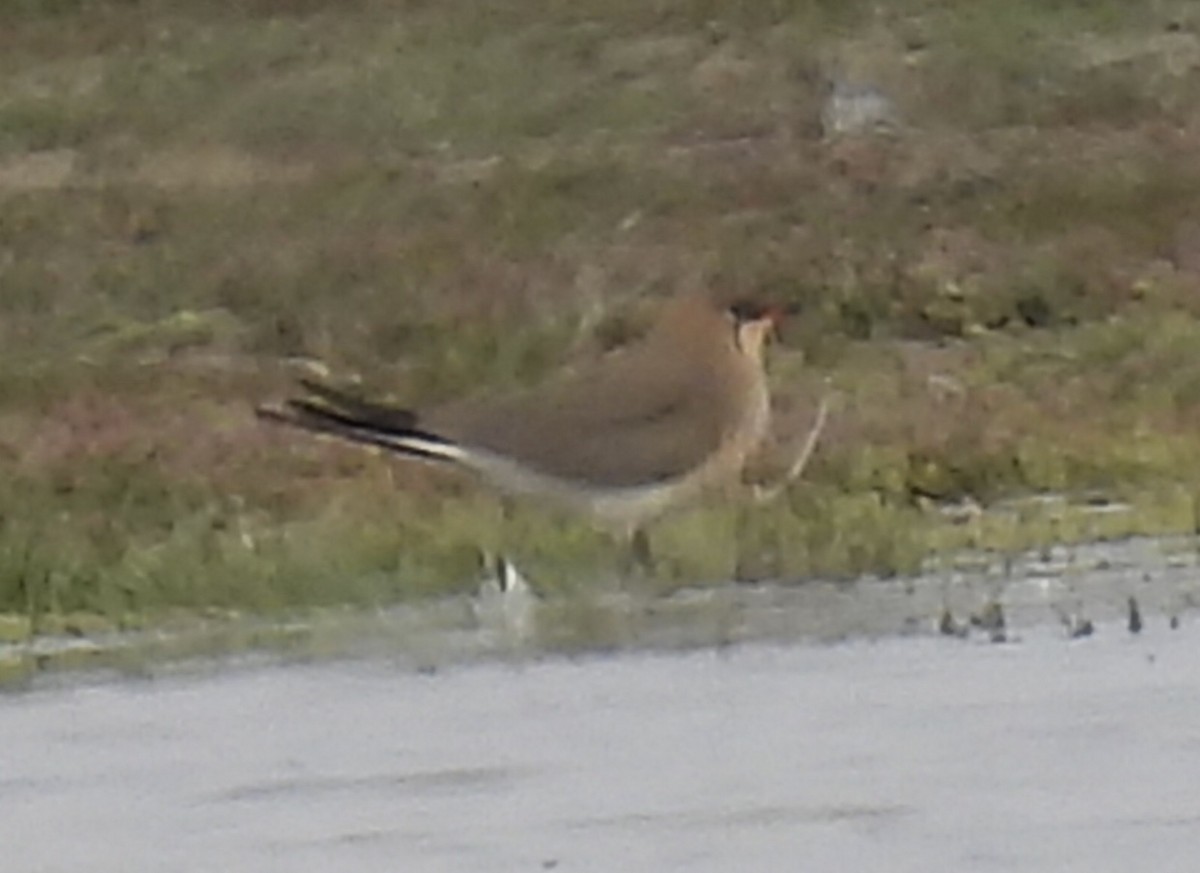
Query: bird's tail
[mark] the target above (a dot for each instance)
(329, 411)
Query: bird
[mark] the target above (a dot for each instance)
(635, 434)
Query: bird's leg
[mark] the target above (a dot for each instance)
(495, 558)
(637, 560)
(639, 546)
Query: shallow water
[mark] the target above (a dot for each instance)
(819, 727)
(1074, 585)
(898, 754)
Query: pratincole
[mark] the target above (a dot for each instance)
(638, 432)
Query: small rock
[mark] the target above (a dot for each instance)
(990, 618)
(1135, 617)
(853, 108)
(948, 627)
(1080, 628)
(1076, 625)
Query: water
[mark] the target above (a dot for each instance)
(899, 754)
(776, 750)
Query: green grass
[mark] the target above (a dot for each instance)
(435, 197)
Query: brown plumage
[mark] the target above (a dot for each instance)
(622, 440)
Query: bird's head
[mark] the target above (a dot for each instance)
(752, 321)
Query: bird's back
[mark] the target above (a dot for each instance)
(651, 413)
(628, 420)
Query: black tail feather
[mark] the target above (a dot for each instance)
(335, 413)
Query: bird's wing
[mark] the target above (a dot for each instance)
(616, 425)
(367, 413)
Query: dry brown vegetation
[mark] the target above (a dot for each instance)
(1001, 288)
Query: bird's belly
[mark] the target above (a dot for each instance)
(618, 507)
(625, 507)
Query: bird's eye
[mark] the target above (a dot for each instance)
(748, 310)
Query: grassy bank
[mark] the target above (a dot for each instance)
(998, 292)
